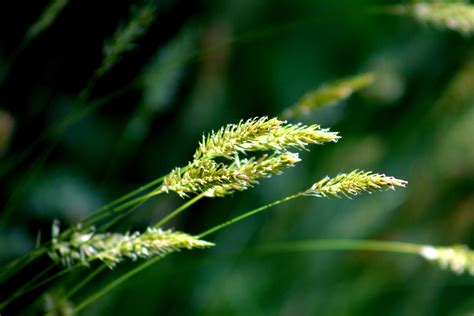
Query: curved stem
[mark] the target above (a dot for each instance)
(121, 208)
(180, 209)
(25, 288)
(245, 215)
(115, 283)
(112, 222)
(340, 244)
(35, 286)
(107, 208)
(86, 280)
(124, 198)
(16, 264)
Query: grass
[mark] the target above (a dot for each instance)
(236, 157)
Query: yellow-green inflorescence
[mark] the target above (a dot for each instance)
(205, 175)
(457, 15)
(84, 247)
(353, 183)
(48, 16)
(218, 179)
(328, 94)
(125, 37)
(261, 134)
(458, 258)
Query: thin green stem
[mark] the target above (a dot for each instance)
(146, 187)
(21, 188)
(116, 210)
(16, 264)
(25, 288)
(112, 222)
(340, 244)
(51, 278)
(125, 197)
(388, 10)
(115, 283)
(86, 280)
(245, 215)
(180, 209)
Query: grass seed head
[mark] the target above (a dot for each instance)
(458, 258)
(457, 15)
(261, 134)
(217, 179)
(354, 183)
(112, 248)
(328, 94)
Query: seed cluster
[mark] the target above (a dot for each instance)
(112, 248)
(204, 175)
(458, 258)
(353, 183)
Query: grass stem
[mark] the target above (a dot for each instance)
(246, 215)
(340, 244)
(86, 280)
(180, 209)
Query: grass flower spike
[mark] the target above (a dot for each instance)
(47, 18)
(328, 94)
(457, 258)
(217, 179)
(124, 39)
(206, 176)
(112, 248)
(456, 16)
(261, 134)
(353, 183)
(235, 138)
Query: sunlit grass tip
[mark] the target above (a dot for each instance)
(458, 258)
(261, 134)
(456, 16)
(353, 183)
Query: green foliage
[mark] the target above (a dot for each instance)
(410, 114)
(47, 18)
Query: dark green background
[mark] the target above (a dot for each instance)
(229, 60)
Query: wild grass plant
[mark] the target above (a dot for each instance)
(71, 268)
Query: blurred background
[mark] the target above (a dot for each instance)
(203, 64)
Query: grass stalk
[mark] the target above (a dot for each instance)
(340, 244)
(109, 212)
(115, 283)
(84, 281)
(246, 215)
(180, 209)
(26, 287)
